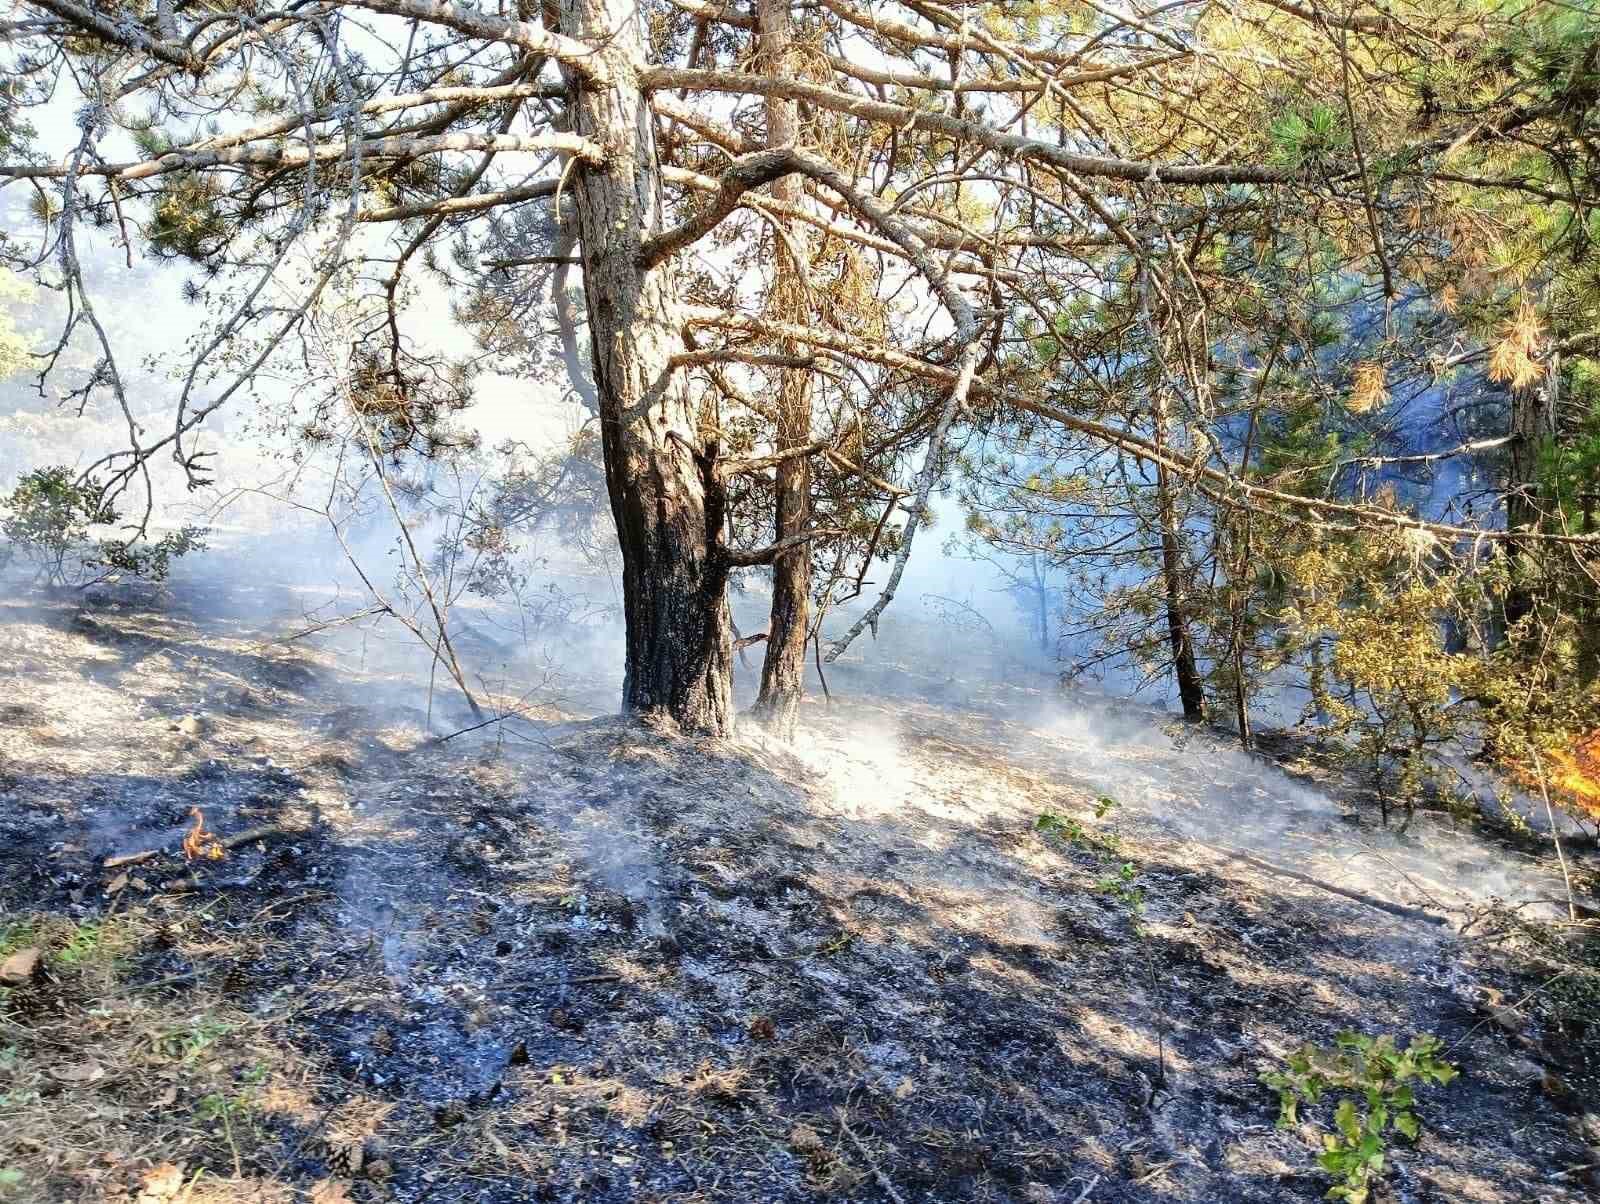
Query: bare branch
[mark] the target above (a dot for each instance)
(322, 152)
(576, 55)
(976, 132)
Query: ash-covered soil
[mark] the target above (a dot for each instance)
(571, 959)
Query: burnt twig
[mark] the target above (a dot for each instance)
(570, 982)
(228, 842)
(878, 1177)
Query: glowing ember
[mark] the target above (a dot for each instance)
(1576, 773)
(198, 844)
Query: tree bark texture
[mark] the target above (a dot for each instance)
(660, 471)
(783, 667)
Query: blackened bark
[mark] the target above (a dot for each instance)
(784, 665)
(664, 493)
(1191, 692)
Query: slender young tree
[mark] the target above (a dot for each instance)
(783, 668)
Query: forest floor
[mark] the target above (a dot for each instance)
(568, 959)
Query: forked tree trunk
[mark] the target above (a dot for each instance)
(665, 497)
(784, 666)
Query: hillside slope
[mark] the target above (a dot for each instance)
(573, 959)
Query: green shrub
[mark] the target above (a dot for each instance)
(48, 517)
(1374, 1081)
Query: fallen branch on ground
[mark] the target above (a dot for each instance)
(1394, 909)
(570, 982)
(228, 842)
(881, 1179)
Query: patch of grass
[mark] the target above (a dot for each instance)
(79, 946)
(98, 1075)
(187, 1040)
(15, 935)
(85, 944)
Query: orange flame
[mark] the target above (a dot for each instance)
(1576, 773)
(198, 844)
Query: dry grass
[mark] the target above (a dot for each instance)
(115, 1090)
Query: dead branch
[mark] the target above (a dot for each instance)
(878, 1177)
(571, 982)
(226, 842)
(1394, 909)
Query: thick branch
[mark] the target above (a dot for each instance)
(322, 152)
(450, 206)
(1014, 145)
(748, 172)
(745, 558)
(985, 84)
(123, 33)
(569, 52)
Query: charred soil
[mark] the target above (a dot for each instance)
(571, 959)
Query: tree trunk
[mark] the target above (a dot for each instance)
(1238, 612)
(665, 496)
(1041, 586)
(783, 668)
(1241, 698)
(1533, 425)
(1191, 693)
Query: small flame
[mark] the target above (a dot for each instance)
(198, 844)
(1576, 772)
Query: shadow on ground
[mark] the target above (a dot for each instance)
(588, 963)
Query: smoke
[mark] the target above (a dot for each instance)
(956, 650)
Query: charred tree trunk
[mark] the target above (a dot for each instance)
(1191, 692)
(784, 666)
(1238, 615)
(665, 495)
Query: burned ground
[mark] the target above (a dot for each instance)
(570, 959)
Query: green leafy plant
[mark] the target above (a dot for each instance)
(1122, 884)
(49, 516)
(1062, 826)
(1074, 832)
(1123, 887)
(1375, 1081)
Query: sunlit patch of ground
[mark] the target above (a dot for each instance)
(577, 961)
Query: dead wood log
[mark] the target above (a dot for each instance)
(1394, 909)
